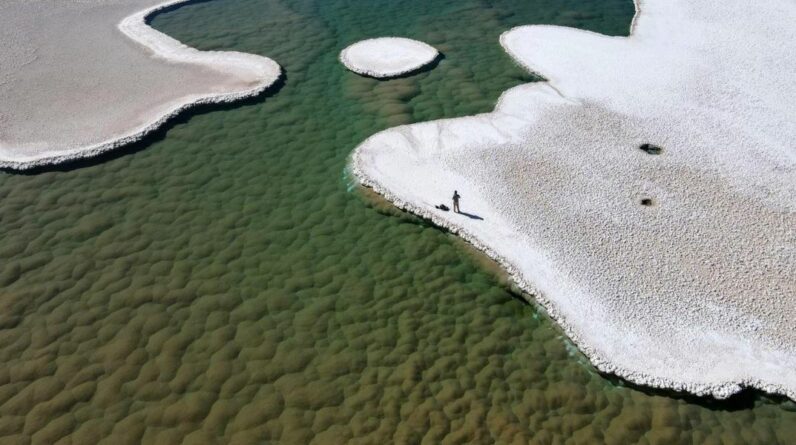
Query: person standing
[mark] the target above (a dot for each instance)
(456, 198)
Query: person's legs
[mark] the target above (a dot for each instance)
(456, 207)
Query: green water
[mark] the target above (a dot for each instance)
(224, 282)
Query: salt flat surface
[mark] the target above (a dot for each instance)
(387, 56)
(694, 292)
(81, 78)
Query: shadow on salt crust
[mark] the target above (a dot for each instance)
(674, 270)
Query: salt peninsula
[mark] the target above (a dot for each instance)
(386, 57)
(81, 78)
(645, 194)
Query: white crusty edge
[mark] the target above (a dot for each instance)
(136, 28)
(533, 295)
(433, 53)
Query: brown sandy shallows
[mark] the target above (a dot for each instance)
(646, 194)
(81, 78)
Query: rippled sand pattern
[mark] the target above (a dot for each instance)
(221, 283)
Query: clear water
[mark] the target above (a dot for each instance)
(224, 282)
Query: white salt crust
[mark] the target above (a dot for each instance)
(385, 57)
(240, 76)
(695, 293)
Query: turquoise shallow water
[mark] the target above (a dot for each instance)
(225, 282)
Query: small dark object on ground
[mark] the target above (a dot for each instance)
(442, 207)
(650, 149)
(646, 202)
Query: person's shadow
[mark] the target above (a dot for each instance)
(471, 216)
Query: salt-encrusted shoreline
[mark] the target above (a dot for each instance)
(256, 74)
(386, 57)
(721, 390)
(417, 166)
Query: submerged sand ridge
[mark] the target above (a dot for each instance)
(386, 57)
(80, 78)
(673, 267)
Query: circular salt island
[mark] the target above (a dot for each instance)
(387, 56)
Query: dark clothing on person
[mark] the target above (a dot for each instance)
(456, 197)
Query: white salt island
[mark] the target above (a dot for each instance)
(645, 195)
(385, 57)
(81, 78)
